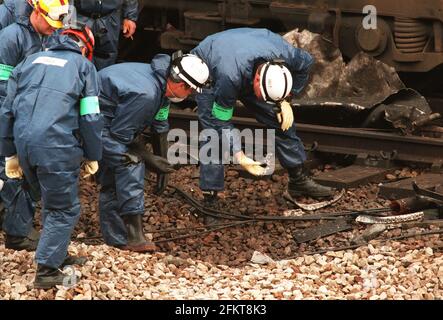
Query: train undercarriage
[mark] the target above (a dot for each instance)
(408, 34)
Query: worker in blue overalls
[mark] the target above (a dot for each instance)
(261, 69)
(135, 96)
(17, 41)
(106, 20)
(51, 122)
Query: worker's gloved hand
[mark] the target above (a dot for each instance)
(253, 167)
(158, 164)
(286, 116)
(129, 28)
(154, 163)
(160, 146)
(2, 183)
(91, 168)
(12, 168)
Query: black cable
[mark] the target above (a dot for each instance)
(231, 216)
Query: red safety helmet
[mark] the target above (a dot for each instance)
(86, 37)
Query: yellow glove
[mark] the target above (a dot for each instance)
(253, 167)
(285, 117)
(12, 168)
(91, 168)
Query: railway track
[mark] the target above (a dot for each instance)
(346, 141)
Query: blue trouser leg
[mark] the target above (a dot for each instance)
(122, 191)
(57, 173)
(211, 174)
(19, 207)
(111, 225)
(289, 148)
(107, 31)
(59, 218)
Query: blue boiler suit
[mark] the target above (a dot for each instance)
(51, 119)
(132, 97)
(232, 57)
(104, 17)
(17, 41)
(7, 9)
(11, 9)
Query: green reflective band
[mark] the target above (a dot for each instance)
(89, 105)
(163, 113)
(5, 71)
(221, 113)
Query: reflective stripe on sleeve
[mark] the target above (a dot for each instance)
(221, 113)
(163, 113)
(5, 71)
(89, 105)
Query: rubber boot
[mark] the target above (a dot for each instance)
(136, 238)
(28, 243)
(302, 185)
(210, 200)
(47, 278)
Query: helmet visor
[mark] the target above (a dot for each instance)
(55, 16)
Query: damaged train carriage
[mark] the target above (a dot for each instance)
(408, 38)
(409, 33)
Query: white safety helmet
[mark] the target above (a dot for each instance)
(190, 69)
(274, 81)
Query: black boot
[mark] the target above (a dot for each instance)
(47, 278)
(136, 238)
(28, 243)
(302, 185)
(210, 201)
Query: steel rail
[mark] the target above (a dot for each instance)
(350, 141)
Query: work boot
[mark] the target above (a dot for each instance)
(210, 201)
(302, 185)
(136, 238)
(74, 261)
(47, 277)
(28, 243)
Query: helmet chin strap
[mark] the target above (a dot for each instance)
(176, 100)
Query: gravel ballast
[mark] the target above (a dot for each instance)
(218, 265)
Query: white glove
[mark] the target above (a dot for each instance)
(253, 167)
(1, 184)
(91, 168)
(286, 116)
(12, 168)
